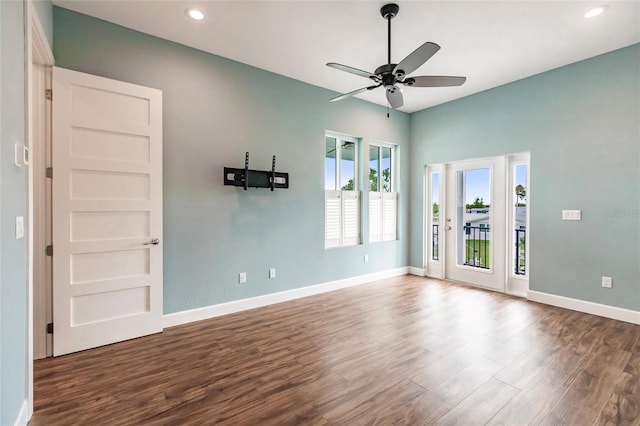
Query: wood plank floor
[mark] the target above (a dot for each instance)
(407, 350)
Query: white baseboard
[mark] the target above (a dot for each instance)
(421, 272)
(184, 317)
(23, 416)
(620, 314)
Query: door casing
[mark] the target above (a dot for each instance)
(502, 181)
(38, 54)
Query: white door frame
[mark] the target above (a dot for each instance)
(434, 268)
(38, 52)
(517, 285)
(514, 285)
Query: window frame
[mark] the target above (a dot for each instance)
(346, 196)
(381, 198)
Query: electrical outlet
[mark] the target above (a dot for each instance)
(242, 278)
(272, 273)
(607, 282)
(571, 215)
(366, 258)
(19, 227)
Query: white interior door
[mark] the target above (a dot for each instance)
(475, 223)
(107, 211)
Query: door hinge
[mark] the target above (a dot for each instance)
(50, 328)
(49, 172)
(49, 250)
(48, 94)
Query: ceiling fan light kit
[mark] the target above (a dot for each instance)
(390, 75)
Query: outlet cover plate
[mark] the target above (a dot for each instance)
(19, 227)
(607, 282)
(571, 214)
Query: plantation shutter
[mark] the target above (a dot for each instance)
(375, 216)
(351, 217)
(333, 225)
(389, 215)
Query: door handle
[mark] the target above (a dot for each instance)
(154, 242)
(448, 228)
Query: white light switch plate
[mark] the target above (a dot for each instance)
(19, 227)
(607, 282)
(571, 215)
(272, 273)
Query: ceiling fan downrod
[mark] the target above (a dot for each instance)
(388, 12)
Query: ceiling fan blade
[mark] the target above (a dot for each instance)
(416, 59)
(434, 81)
(394, 96)
(355, 92)
(351, 70)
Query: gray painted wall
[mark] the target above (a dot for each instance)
(13, 202)
(580, 123)
(215, 110)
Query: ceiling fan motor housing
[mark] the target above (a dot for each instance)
(385, 72)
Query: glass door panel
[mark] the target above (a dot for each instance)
(475, 222)
(473, 237)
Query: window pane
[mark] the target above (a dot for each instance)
(330, 164)
(435, 216)
(348, 166)
(373, 168)
(473, 216)
(520, 219)
(386, 169)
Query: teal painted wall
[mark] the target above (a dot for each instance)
(215, 109)
(581, 125)
(44, 10)
(13, 202)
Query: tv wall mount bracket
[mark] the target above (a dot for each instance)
(256, 178)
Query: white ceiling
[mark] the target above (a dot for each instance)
(489, 42)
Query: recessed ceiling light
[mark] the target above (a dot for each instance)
(195, 14)
(592, 13)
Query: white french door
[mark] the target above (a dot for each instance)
(474, 223)
(107, 211)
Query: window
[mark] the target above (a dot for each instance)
(519, 215)
(383, 198)
(342, 198)
(435, 215)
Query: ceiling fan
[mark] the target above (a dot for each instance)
(390, 75)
